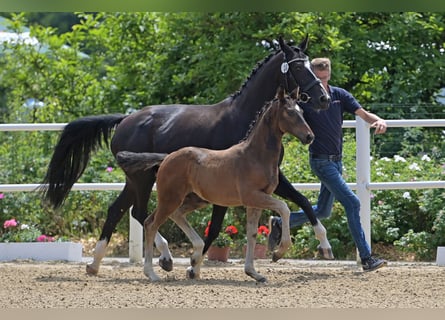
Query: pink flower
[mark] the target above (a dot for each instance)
(109, 169)
(10, 223)
(2, 195)
(44, 238)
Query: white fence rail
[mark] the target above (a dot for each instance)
(363, 184)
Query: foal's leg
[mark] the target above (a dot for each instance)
(191, 202)
(253, 216)
(150, 232)
(151, 226)
(287, 191)
(265, 201)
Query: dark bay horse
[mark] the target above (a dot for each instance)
(245, 174)
(166, 128)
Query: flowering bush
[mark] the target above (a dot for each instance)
(14, 231)
(225, 238)
(261, 236)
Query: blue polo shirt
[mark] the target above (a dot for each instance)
(327, 124)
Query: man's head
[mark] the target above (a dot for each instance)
(322, 68)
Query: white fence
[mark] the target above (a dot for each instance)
(363, 184)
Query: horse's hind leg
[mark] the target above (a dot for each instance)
(151, 226)
(253, 216)
(115, 213)
(287, 191)
(190, 203)
(142, 183)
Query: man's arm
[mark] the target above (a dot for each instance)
(376, 122)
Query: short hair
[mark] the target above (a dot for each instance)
(321, 64)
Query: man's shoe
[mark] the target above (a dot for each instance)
(274, 237)
(371, 264)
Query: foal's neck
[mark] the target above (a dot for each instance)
(265, 138)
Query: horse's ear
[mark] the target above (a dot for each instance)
(303, 44)
(285, 48)
(280, 93)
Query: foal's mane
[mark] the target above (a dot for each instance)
(258, 116)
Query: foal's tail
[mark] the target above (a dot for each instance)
(132, 162)
(72, 153)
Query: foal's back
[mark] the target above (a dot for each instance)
(218, 176)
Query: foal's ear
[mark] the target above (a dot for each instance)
(294, 94)
(280, 93)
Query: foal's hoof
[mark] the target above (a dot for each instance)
(325, 253)
(166, 264)
(91, 271)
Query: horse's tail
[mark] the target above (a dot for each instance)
(132, 162)
(72, 153)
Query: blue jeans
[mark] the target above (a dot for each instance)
(334, 186)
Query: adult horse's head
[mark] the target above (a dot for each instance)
(297, 69)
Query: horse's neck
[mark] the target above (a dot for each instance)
(260, 88)
(265, 139)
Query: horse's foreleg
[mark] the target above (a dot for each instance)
(115, 214)
(287, 191)
(217, 219)
(253, 216)
(165, 259)
(324, 248)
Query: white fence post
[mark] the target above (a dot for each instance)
(135, 243)
(363, 154)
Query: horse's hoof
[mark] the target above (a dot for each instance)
(153, 277)
(275, 257)
(191, 274)
(166, 264)
(325, 253)
(91, 271)
(262, 280)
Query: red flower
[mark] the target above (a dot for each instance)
(231, 230)
(206, 231)
(263, 230)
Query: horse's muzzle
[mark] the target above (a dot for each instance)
(309, 138)
(324, 102)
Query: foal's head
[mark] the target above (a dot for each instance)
(290, 117)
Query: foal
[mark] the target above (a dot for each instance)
(245, 174)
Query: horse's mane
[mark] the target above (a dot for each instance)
(255, 70)
(258, 116)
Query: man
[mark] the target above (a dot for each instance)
(325, 158)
